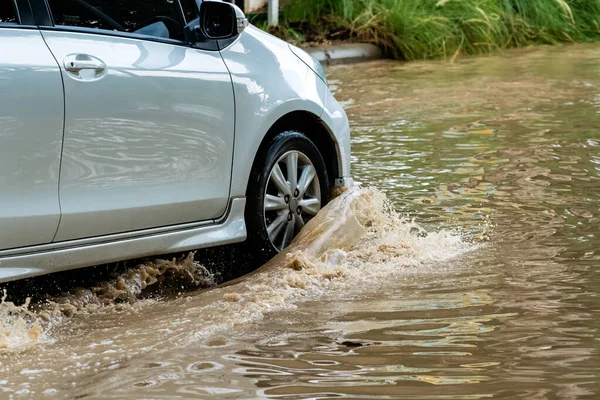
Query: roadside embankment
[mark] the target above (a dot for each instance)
(429, 29)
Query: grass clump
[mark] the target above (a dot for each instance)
(427, 29)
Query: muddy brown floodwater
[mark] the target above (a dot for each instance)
(483, 283)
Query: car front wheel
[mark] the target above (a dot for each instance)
(288, 186)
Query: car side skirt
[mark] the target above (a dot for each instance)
(41, 260)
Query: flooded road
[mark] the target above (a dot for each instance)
(483, 283)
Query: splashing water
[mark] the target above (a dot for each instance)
(130, 286)
(356, 238)
(19, 327)
(24, 326)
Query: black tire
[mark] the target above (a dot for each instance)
(259, 245)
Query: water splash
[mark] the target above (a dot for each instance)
(19, 327)
(130, 286)
(356, 240)
(24, 326)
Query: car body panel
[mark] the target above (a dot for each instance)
(335, 119)
(80, 253)
(31, 130)
(148, 140)
(270, 81)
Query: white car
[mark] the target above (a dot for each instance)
(138, 128)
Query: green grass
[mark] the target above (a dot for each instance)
(426, 29)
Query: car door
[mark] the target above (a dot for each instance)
(31, 130)
(149, 119)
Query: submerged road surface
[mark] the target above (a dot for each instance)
(468, 266)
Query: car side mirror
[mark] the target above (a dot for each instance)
(219, 20)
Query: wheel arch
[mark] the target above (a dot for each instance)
(314, 129)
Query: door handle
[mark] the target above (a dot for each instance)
(75, 63)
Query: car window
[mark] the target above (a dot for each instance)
(8, 12)
(160, 18)
(190, 10)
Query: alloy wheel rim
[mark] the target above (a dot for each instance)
(292, 197)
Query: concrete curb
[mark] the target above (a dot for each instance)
(345, 53)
